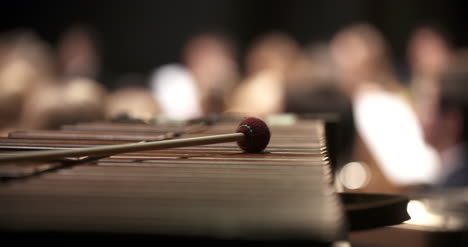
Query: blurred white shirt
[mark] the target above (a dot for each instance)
(390, 129)
(175, 90)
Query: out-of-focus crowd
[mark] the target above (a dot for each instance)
(400, 123)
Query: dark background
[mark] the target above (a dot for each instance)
(138, 35)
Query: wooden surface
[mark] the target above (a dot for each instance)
(212, 191)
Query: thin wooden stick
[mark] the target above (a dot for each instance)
(119, 148)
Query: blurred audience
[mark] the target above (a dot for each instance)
(351, 75)
(36, 94)
(390, 138)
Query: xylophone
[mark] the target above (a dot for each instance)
(212, 191)
(206, 193)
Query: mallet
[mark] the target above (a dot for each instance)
(252, 136)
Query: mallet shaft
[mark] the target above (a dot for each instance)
(119, 148)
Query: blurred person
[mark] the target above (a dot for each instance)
(78, 54)
(272, 51)
(70, 93)
(34, 92)
(314, 61)
(131, 99)
(308, 77)
(71, 101)
(26, 65)
(429, 54)
(267, 63)
(446, 126)
(134, 102)
(211, 59)
(176, 92)
(362, 58)
(390, 138)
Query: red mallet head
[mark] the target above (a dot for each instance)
(257, 135)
